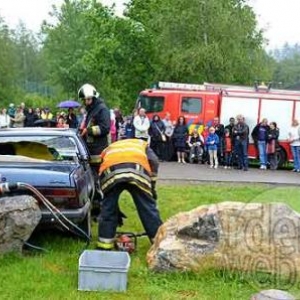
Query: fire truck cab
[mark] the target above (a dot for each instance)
(191, 101)
(199, 104)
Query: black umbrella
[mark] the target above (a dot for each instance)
(45, 123)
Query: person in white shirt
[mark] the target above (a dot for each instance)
(169, 125)
(141, 125)
(294, 139)
(4, 119)
(168, 151)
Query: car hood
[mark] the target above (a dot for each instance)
(35, 171)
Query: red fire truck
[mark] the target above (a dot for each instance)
(199, 104)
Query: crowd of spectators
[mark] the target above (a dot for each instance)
(22, 116)
(217, 145)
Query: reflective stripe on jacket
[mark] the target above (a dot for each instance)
(125, 151)
(125, 161)
(95, 159)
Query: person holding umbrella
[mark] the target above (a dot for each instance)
(68, 104)
(71, 118)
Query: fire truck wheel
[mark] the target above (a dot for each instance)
(281, 157)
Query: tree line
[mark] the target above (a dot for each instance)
(156, 40)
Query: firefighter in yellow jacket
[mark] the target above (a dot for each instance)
(127, 165)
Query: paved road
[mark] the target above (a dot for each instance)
(172, 172)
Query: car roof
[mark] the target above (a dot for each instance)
(35, 131)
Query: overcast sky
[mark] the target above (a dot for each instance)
(279, 18)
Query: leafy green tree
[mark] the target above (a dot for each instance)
(88, 43)
(27, 55)
(21, 65)
(286, 52)
(186, 41)
(65, 45)
(287, 68)
(123, 66)
(198, 41)
(8, 66)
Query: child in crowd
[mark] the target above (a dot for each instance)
(129, 128)
(227, 149)
(71, 119)
(195, 142)
(205, 155)
(212, 142)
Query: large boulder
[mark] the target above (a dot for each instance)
(231, 236)
(19, 216)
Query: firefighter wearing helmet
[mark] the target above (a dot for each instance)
(95, 126)
(127, 165)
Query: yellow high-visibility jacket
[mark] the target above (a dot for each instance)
(125, 161)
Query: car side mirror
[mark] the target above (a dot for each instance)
(84, 160)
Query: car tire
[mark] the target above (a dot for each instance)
(281, 157)
(86, 224)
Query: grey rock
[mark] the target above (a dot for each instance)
(249, 237)
(272, 295)
(19, 216)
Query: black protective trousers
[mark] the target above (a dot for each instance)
(145, 205)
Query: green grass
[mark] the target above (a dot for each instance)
(53, 275)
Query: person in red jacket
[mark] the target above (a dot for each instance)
(227, 149)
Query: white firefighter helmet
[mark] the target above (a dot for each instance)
(87, 91)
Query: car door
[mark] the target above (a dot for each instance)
(84, 160)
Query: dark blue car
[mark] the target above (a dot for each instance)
(54, 161)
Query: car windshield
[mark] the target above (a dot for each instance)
(40, 147)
